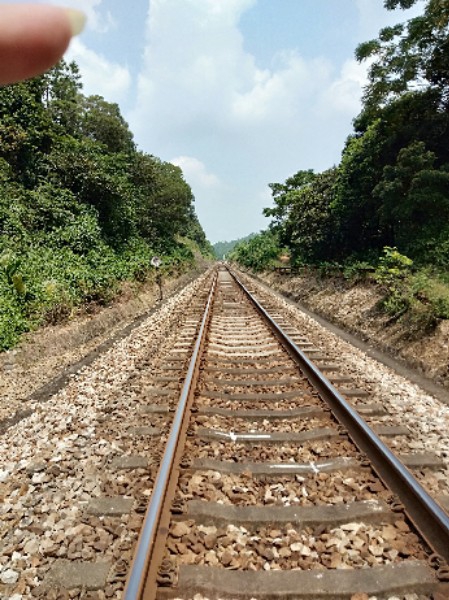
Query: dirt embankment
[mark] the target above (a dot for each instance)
(354, 309)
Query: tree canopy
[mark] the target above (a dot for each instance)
(410, 56)
(80, 207)
(391, 187)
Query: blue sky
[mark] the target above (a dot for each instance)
(239, 93)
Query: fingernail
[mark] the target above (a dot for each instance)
(77, 20)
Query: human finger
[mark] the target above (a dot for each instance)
(33, 37)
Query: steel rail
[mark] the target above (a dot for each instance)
(135, 585)
(427, 516)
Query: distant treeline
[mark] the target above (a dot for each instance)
(80, 207)
(222, 249)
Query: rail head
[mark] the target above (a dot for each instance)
(147, 539)
(427, 516)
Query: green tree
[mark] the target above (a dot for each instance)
(284, 195)
(102, 122)
(409, 56)
(355, 210)
(61, 87)
(310, 227)
(26, 130)
(168, 209)
(98, 179)
(259, 252)
(414, 198)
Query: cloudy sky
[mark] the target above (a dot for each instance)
(239, 93)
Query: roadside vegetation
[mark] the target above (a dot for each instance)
(258, 253)
(81, 209)
(383, 213)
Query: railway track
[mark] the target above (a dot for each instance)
(262, 492)
(231, 472)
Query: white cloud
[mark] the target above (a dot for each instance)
(198, 78)
(196, 173)
(344, 93)
(277, 94)
(201, 94)
(99, 76)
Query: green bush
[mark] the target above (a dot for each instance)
(13, 322)
(392, 273)
(431, 291)
(419, 298)
(358, 270)
(43, 284)
(393, 267)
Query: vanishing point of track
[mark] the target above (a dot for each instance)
(272, 484)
